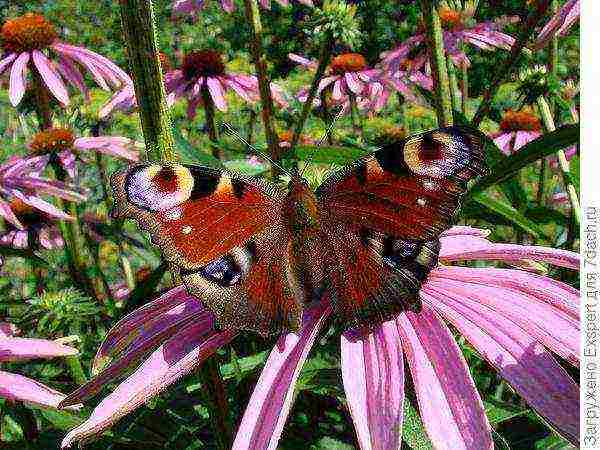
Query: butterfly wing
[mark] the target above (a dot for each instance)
(384, 213)
(213, 225)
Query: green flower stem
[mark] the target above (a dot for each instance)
(541, 192)
(548, 121)
(516, 51)
(453, 80)
(217, 400)
(139, 28)
(42, 100)
(74, 365)
(251, 124)
(464, 87)
(209, 113)
(117, 224)
(327, 116)
(355, 117)
(326, 48)
(264, 85)
(441, 83)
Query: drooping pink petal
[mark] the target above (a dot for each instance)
(337, 93)
(461, 248)
(51, 79)
(5, 63)
(97, 74)
(16, 88)
(18, 387)
(8, 329)
(216, 92)
(524, 137)
(71, 73)
(7, 214)
(523, 362)
(42, 205)
(123, 100)
(462, 230)
(450, 406)
(20, 349)
(504, 141)
(67, 160)
(50, 238)
(272, 397)
(559, 295)
(109, 145)
(182, 353)
(353, 82)
(373, 375)
(227, 5)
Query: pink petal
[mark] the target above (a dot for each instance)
(19, 349)
(524, 137)
(272, 397)
(18, 387)
(67, 160)
(450, 406)
(8, 329)
(337, 90)
(311, 64)
(175, 358)
(227, 5)
(461, 248)
(7, 214)
(113, 146)
(72, 74)
(503, 141)
(216, 92)
(461, 230)
(42, 205)
(524, 363)
(353, 82)
(51, 79)
(6, 62)
(16, 88)
(373, 375)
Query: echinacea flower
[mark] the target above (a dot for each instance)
(560, 23)
(205, 70)
(513, 318)
(194, 6)
(458, 27)
(21, 178)
(27, 43)
(61, 143)
(19, 388)
(40, 231)
(517, 128)
(348, 75)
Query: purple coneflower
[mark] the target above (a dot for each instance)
(560, 23)
(17, 387)
(61, 143)
(349, 76)
(459, 28)
(194, 6)
(517, 128)
(205, 70)
(40, 231)
(513, 318)
(20, 178)
(24, 41)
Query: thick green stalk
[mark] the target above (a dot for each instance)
(548, 121)
(453, 80)
(209, 113)
(139, 28)
(264, 85)
(355, 116)
(74, 365)
(516, 51)
(312, 92)
(441, 83)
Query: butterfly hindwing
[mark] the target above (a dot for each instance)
(389, 209)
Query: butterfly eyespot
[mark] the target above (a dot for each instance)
(436, 154)
(159, 188)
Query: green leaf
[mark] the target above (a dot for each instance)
(413, 431)
(63, 420)
(544, 215)
(189, 154)
(498, 412)
(327, 443)
(553, 442)
(23, 253)
(543, 146)
(499, 442)
(507, 212)
(329, 154)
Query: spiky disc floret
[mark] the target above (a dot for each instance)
(202, 63)
(52, 140)
(520, 121)
(26, 33)
(348, 62)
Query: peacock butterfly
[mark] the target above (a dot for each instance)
(256, 254)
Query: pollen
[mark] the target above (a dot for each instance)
(27, 33)
(53, 140)
(520, 121)
(202, 63)
(450, 18)
(348, 62)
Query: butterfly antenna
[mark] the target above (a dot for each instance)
(253, 149)
(327, 132)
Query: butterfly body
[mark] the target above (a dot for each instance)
(257, 254)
